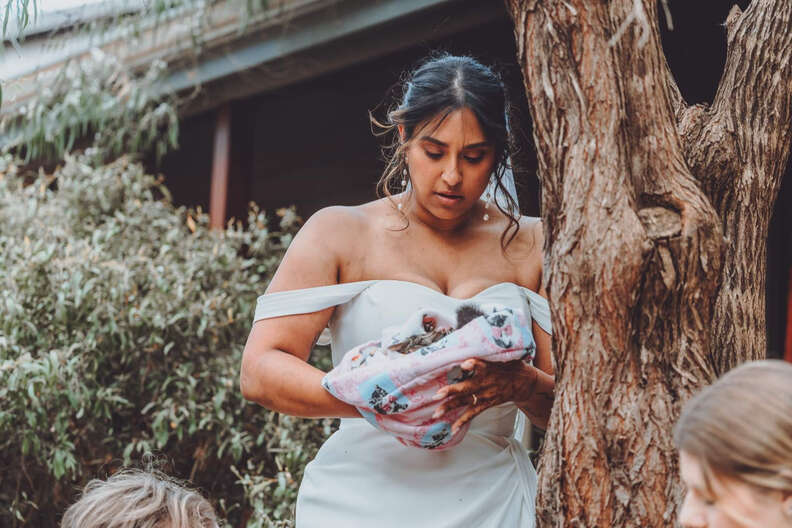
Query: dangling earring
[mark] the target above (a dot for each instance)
(403, 183)
(487, 200)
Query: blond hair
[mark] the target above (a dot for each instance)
(740, 427)
(139, 499)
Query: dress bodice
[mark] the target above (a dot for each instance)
(388, 303)
(365, 308)
(362, 476)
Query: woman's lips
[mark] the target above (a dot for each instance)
(449, 198)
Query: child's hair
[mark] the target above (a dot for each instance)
(134, 498)
(741, 426)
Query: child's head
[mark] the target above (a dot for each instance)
(735, 443)
(139, 499)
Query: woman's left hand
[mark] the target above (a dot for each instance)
(487, 384)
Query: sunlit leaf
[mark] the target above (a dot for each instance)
(105, 289)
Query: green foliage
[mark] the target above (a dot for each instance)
(122, 323)
(25, 11)
(97, 97)
(22, 9)
(103, 102)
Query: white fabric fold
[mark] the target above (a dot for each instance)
(540, 310)
(528, 479)
(308, 300)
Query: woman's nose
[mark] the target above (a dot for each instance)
(451, 175)
(691, 515)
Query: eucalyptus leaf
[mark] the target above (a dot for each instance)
(101, 354)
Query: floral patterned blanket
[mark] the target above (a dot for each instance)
(391, 381)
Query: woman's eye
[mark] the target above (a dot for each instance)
(474, 159)
(704, 498)
(434, 155)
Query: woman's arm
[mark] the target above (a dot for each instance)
(275, 372)
(530, 387)
(535, 385)
(536, 399)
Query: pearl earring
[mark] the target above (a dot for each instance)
(403, 184)
(487, 201)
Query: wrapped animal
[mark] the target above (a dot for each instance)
(391, 381)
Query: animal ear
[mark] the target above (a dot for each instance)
(466, 313)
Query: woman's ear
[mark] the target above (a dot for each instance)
(401, 132)
(787, 505)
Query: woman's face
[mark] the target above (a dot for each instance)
(449, 165)
(731, 504)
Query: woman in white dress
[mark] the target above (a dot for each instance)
(435, 240)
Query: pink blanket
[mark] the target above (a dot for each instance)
(391, 381)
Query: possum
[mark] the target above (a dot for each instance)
(432, 334)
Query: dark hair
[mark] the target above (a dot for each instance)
(440, 85)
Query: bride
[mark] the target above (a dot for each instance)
(446, 234)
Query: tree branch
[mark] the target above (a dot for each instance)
(750, 121)
(738, 150)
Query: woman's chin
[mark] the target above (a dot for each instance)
(446, 215)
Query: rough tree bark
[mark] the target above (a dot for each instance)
(656, 216)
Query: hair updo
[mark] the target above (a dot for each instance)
(439, 86)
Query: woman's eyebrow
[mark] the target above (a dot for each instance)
(439, 143)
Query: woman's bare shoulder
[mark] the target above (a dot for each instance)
(328, 220)
(338, 227)
(315, 257)
(526, 252)
(530, 237)
(533, 226)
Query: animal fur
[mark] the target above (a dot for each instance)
(464, 314)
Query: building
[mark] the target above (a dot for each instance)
(282, 115)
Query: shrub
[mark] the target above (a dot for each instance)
(122, 323)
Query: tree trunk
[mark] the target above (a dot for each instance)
(656, 216)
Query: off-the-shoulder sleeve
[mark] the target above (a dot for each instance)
(307, 300)
(540, 310)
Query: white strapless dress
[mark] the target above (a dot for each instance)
(362, 477)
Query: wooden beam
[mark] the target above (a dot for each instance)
(319, 43)
(221, 158)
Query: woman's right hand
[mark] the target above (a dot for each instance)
(274, 371)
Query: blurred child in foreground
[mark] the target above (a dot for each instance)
(139, 499)
(735, 450)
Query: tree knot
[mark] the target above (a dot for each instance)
(660, 222)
